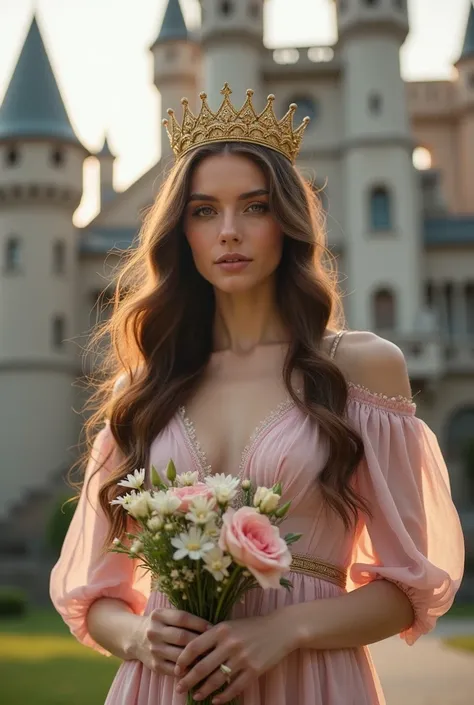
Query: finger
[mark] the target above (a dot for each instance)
(177, 637)
(215, 681)
(204, 668)
(165, 667)
(198, 646)
(236, 687)
(179, 618)
(169, 653)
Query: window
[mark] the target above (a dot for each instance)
(380, 209)
(59, 257)
(58, 157)
(12, 156)
(13, 254)
(384, 310)
(227, 7)
(58, 332)
(375, 103)
(371, 3)
(460, 444)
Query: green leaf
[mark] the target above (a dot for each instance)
(292, 538)
(287, 584)
(277, 489)
(156, 480)
(171, 471)
(283, 510)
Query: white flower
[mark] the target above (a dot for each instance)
(217, 563)
(266, 500)
(136, 547)
(155, 523)
(125, 499)
(200, 510)
(134, 481)
(187, 479)
(139, 506)
(193, 544)
(245, 484)
(211, 530)
(224, 486)
(165, 503)
(116, 542)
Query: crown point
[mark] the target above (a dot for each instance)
(306, 120)
(184, 101)
(170, 111)
(203, 96)
(226, 89)
(293, 107)
(271, 97)
(250, 92)
(164, 122)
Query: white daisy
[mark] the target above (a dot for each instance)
(164, 502)
(125, 499)
(193, 544)
(187, 479)
(136, 547)
(139, 507)
(155, 523)
(224, 486)
(135, 481)
(200, 510)
(217, 563)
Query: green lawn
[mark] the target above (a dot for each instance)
(461, 612)
(466, 643)
(41, 663)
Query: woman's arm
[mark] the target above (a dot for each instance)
(113, 625)
(366, 615)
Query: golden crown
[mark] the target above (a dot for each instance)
(231, 125)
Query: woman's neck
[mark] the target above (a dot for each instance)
(245, 320)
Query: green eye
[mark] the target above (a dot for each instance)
(203, 210)
(258, 208)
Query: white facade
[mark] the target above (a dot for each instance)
(406, 265)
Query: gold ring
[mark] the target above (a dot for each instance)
(226, 671)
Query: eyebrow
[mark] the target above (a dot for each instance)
(242, 197)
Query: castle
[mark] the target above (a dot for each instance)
(394, 160)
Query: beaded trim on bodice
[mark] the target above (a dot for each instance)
(398, 404)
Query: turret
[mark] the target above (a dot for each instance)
(106, 161)
(41, 167)
(232, 43)
(177, 60)
(383, 216)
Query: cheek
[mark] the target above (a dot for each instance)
(200, 244)
(270, 247)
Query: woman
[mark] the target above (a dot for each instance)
(233, 361)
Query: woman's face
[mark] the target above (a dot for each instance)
(235, 241)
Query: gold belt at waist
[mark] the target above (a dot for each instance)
(302, 563)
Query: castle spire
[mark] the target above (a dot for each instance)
(33, 106)
(173, 26)
(468, 45)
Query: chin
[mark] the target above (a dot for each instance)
(235, 285)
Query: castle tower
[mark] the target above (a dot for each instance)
(177, 65)
(382, 214)
(232, 42)
(106, 161)
(465, 67)
(41, 166)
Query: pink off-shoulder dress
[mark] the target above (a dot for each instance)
(414, 540)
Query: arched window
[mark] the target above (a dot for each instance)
(380, 209)
(58, 157)
(59, 257)
(227, 7)
(58, 332)
(12, 156)
(12, 258)
(375, 103)
(384, 310)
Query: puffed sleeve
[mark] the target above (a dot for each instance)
(85, 571)
(414, 538)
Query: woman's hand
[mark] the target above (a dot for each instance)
(249, 647)
(162, 637)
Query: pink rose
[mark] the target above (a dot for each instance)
(255, 543)
(188, 493)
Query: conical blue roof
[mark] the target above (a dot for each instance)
(33, 106)
(173, 26)
(468, 46)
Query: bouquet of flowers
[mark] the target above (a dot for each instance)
(206, 543)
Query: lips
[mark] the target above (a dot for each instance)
(230, 258)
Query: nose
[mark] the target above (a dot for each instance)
(229, 231)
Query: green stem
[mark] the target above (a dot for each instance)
(199, 589)
(225, 592)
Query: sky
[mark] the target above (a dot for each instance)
(99, 52)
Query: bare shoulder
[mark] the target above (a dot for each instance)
(370, 361)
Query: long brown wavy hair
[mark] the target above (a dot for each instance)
(159, 337)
